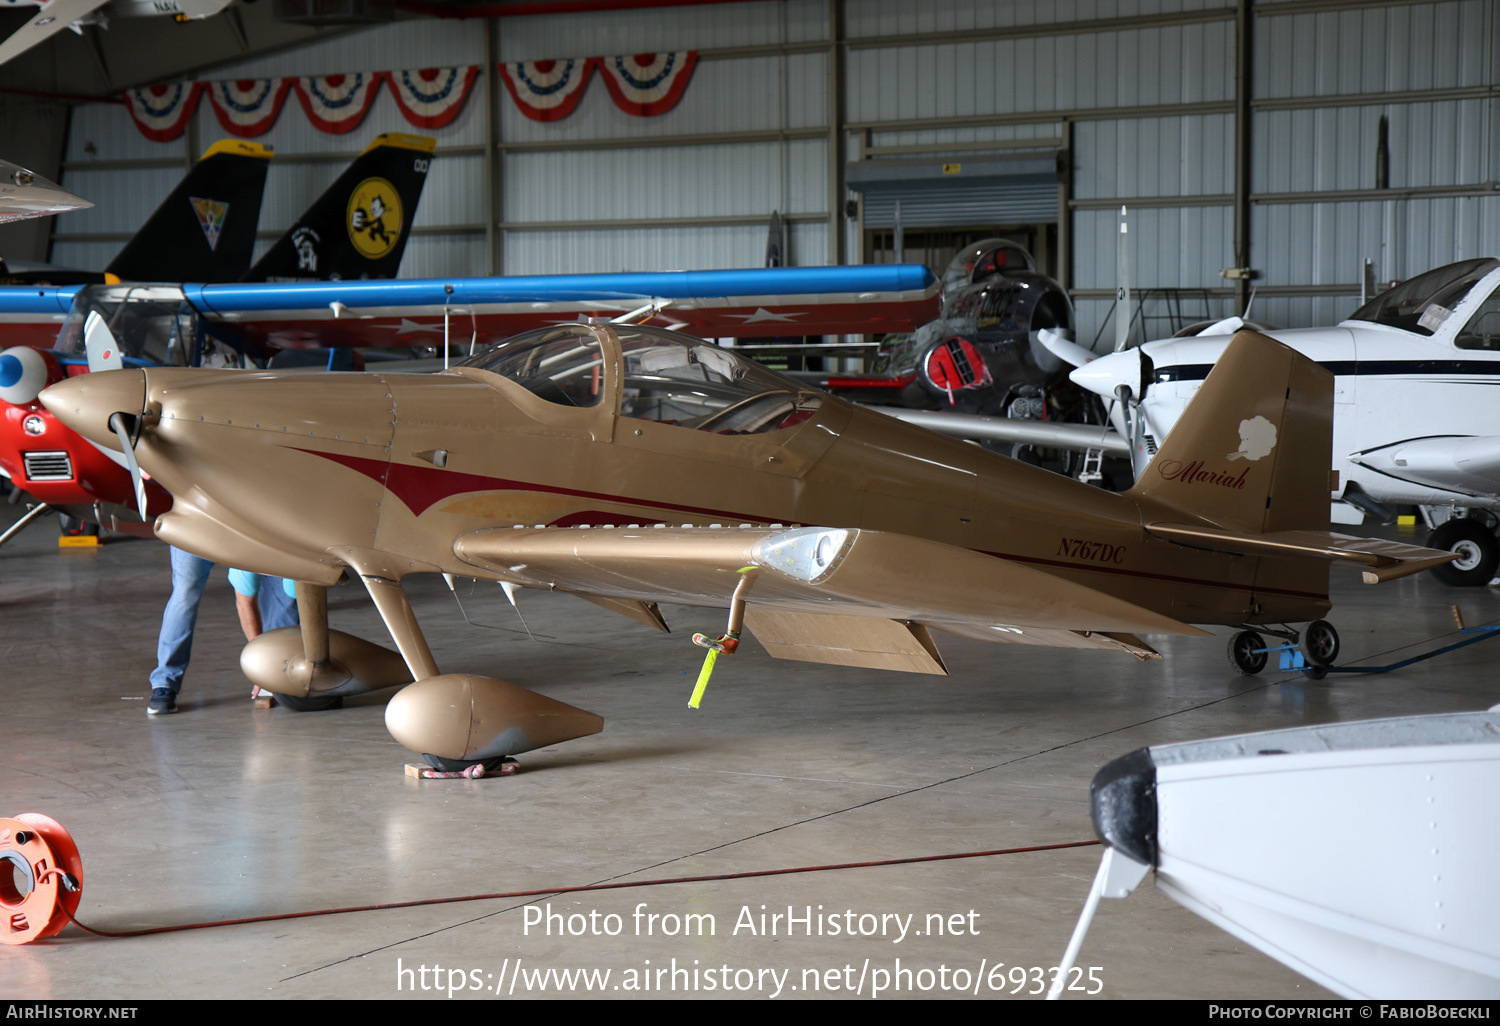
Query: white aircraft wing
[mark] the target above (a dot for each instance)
(1469, 465)
(51, 19)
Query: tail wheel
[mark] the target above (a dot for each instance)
(1320, 644)
(1478, 552)
(1244, 655)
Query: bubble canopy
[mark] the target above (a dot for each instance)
(664, 376)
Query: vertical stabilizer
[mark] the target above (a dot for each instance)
(358, 228)
(205, 230)
(1253, 449)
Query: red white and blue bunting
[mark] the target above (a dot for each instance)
(248, 107)
(336, 104)
(648, 84)
(643, 84)
(432, 97)
(548, 90)
(161, 112)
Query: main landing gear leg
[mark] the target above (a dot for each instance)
(312, 614)
(311, 668)
(459, 720)
(40, 509)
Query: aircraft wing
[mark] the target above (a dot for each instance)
(48, 21)
(1469, 465)
(848, 596)
(755, 302)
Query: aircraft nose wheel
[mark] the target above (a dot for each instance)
(1247, 652)
(1320, 646)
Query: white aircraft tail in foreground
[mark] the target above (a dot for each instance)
(1359, 854)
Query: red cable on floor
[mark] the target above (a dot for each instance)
(584, 887)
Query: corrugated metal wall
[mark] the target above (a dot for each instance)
(743, 180)
(1319, 80)
(1140, 94)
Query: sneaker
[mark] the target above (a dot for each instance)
(162, 701)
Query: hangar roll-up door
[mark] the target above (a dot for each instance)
(959, 193)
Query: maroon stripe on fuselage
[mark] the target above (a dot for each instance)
(420, 487)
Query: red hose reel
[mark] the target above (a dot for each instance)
(41, 878)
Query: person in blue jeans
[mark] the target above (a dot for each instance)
(174, 647)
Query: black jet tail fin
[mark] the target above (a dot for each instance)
(205, 229)
(358, 228)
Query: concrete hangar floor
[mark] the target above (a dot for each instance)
(226, 811)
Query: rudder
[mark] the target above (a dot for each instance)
(205, 229)
(1253, 449)
(358, 228)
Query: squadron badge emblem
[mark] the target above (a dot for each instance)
(210, 214)
(374, 218)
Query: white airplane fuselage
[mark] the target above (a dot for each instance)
(1417, 417)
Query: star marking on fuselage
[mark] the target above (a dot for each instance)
(762, 314)
(411, 327)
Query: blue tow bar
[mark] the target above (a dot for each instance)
(1292, 658)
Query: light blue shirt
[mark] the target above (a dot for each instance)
(248, 584)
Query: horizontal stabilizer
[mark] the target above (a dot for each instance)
(840, 572)
(1382, 560)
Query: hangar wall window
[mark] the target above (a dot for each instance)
(562, 365)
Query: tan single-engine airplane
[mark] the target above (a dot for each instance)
(632, 465)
